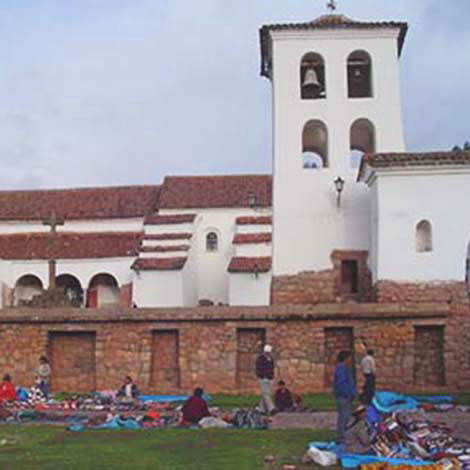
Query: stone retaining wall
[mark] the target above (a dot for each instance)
(212, 345)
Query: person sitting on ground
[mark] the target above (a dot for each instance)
(195, 408)
(129, 390)
(283, 399)
(7, 390)
(358, 438)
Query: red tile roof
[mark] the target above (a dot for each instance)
(169, 219)
(261, 220)
(325, 22)
(69, 245)
(242, 238)
(164, 248)
(456, 158)
(159, 264)
(260, 264)
(79, 204)
(180, 192)
(168, 236)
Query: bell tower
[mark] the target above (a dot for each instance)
(336, 95)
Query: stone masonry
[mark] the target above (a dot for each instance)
(174, 350)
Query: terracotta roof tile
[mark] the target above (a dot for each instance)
(242, 238)
(69, 245)
(260, 264)
(79, 204)
(168, 236)
(169, 219)
(401, 160)
(159, 264)
(325, 22)
(180, 192)
(261, 220)
(164, 248)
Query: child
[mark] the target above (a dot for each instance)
(283, 398)
(7, 390)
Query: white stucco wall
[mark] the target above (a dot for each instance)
(158, 289)
(307, 224)
(403, 200)
(247, 289)
(99, 225)
(210, 276)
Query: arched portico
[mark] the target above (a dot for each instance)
(103, 291)
(71, 286)
(26, 287)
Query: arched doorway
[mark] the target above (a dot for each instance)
(103, 291)
(72, 288)
(26, 287)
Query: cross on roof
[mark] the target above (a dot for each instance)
(53, 221)
(331, 5)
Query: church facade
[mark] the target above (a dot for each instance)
(179, 284)
(347, 215)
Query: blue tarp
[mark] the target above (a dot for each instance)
(355, 460)
(435, 400)
(167, 398)
(389, 402)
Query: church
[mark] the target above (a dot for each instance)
(350, 235)
(347, 214)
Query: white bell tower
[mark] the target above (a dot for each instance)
(336, 95)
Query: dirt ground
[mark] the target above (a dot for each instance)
(458, 420)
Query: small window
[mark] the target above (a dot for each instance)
(359, 75)
(423, 237)
(312, 77)
(349, 277)
(315, 145)
(211, 242)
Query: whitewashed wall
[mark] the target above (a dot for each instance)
(99, 225)
(307, 224)
(403, 200)
(210, 277)
(158, 289)
(249, 289)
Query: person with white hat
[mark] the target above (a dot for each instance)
(265, 374)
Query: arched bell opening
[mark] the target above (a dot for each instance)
(359, 75)
(362, 140)
(423, 236)
(312, 77)
(315, 145)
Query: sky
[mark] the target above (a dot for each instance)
(119, 92)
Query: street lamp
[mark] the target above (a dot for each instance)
(339, 185)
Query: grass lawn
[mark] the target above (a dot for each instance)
(51, 447)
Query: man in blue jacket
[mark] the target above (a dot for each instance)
(345, 390)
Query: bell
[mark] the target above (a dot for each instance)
(311, 86)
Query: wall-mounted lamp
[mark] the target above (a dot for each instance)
(339, 185)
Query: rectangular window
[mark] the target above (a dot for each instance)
(349, 277)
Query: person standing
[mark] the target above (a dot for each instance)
(44, 372)
(368, 370)
(265, 375)
(345, 391)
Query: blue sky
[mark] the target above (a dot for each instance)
(111, 92)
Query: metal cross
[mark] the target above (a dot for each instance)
(53, 221)
(331, 5)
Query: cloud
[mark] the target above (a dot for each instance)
(114, 92)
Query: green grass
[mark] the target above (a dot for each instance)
(318, 401)
(46, 447)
